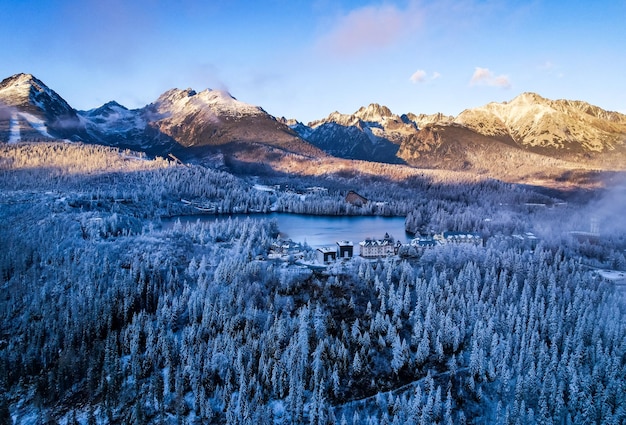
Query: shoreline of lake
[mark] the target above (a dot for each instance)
(319, 230)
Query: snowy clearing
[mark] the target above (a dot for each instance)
(14, 129)
(263, 188)
(36, 123)
(613, 275)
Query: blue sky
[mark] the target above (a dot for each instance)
(305, 59)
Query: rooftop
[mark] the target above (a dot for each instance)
(327, 249)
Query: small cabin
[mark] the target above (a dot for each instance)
(345, 249)
(326, 254)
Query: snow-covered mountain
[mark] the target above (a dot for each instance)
(549, 126)
(214, 117)
(182, 121)
(185, 121)
(529, 132)
(372, 133)
(31, 110)
(27, 92)
(115, 125)
(480, 138)
(533, 130)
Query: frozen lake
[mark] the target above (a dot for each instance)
(318, 230)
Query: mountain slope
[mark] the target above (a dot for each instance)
(31, 110)
(458, 148)
(372, 133)
(214, 118)
(560, 128)
(190, 124)
(527, 138)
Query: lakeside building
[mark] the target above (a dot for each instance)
(592, 236)
(423, 243)
(374, 248)
(526, 240)
(284, 247)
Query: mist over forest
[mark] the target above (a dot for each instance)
(108, 316)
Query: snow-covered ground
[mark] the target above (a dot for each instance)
(14, 129)
(263, 188)
(36, 123)
(613, 275)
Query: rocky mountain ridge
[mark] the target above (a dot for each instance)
(549, 126)
(529, 125)
(189, 123)
(528, 132)
(372, 133)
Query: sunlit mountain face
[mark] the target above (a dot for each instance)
(529, 139)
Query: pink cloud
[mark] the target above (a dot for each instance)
(484, 77)
(369, 27)
(421, 76)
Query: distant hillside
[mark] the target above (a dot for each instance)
(529, 139)
(190, 124)
(372, 133)
(563, 129)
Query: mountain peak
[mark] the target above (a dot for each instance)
(375, 107)
(21, 78)
(113, 104)
(13, 79)
(172, 95)
(211, 103)
(38, 110)
(111, 107)
(26, 91)
(373, 112)
(22, 87)
(562, 128)
(529, 97)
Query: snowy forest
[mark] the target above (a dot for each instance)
(107, 316)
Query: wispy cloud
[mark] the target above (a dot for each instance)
(484, 77)
(421, 76)
(550, 68)
(370, 27)
(418, 76)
